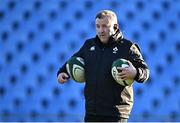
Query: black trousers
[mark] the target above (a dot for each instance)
(99, 118)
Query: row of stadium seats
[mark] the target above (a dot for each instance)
(37, 37)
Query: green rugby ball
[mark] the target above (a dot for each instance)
(75, 68)
(123, 63)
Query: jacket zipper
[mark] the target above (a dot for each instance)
(97, 77)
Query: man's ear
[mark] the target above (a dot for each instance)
(116, 27)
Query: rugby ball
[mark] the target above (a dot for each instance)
(75, 68)
(120, 63)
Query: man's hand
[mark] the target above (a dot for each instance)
(62, 78)
(127, 73)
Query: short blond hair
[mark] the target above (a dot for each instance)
(107, 13)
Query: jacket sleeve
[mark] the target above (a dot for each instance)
(139, 63)
(78, 54)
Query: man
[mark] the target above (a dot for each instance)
(105, 99)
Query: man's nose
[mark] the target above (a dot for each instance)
(101, 30)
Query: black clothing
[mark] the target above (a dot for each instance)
(99, 118)
(104, 96)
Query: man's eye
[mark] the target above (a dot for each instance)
(104, 26)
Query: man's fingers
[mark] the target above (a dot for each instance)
(66, 76)
(130, 64)
(60, 79)
(121, 76)
(119, 69)
(63, 77)
(123, 72)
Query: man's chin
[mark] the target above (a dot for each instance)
(104, 40)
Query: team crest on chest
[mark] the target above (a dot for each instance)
(115, 49)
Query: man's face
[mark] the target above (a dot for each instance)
(104, 29)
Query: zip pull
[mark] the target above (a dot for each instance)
(103, 48)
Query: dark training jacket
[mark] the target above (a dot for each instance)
(104, 96)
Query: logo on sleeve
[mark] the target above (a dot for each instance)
(92, 48)
(135, 50)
